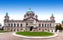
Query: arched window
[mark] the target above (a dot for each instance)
(26, 24)
(17, 29)
(21, 25)
(39, 25)
(45, 25)
(50, 25)
(9, 25)
(14, 29)
(14, 25)
(17, 25)
(11, 29)
(42, 25)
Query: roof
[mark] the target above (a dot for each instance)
(62, 20)
(30, 17)
(29, 10)
(15, 21)
(52, 15)
(44, 20)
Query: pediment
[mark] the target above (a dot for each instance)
(29, 19)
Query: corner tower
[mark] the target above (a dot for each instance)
(52, 18)
(6, 17)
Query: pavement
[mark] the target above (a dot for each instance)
(10, 36)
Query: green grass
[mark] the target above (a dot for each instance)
(1, 31)
(35, 33)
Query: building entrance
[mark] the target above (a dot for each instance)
(31, 28)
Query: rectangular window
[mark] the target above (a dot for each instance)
(50, 25)
(21, 25)
(26, 24)
(9, 25)
(39, 25)
(17, 25)
(45, 25)
(31, 22)
(42, 25)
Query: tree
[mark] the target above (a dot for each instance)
(58, 27)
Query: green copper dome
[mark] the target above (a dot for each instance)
(62, 20)
(6, 13)
(30, 11)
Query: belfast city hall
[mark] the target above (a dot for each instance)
(30, 22)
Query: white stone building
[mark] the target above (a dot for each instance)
(0, 26)
(29, 23)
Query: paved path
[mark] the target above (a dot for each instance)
(9, 36)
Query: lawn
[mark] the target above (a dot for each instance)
(1, 31)
(35, 33)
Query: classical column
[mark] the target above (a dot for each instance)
(19, 24)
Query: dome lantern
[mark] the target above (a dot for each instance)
(62, 21)
(30, 12)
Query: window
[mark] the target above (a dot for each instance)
(9, 25)
(45, 25)
(14, 25)
(39, 28)
(21, 28)
(50, 25)
(31, 22)
(21, 25)
(42, 25)
(17, 25)
(17, 29)
(39, 25)
(26, 24)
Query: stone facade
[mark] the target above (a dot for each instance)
(29, 23)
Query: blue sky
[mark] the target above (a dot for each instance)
(43, 8)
